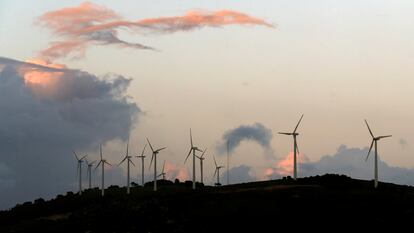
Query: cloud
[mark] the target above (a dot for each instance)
(198, 19)
(347, 161)
(32, 66)
(174, 171)
(256, 132)
(42, 122)
(239, 174)
(88, 23)
(284, 167)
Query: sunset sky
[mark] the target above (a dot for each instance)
(245, 68)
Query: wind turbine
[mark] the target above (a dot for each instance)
(295, 147)
(163, 172)
(89, 172)
(79, 170)
(128, 159)
(102, 162)
(228, 162)
(201, 158)
(142, 156)
(193, 149)
(154, 157)
(217, 171)
(374, 141)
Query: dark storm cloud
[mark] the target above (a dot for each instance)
(38, 129)
(256, 132)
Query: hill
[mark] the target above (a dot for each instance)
(319, 201)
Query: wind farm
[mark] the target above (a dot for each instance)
(206, 116)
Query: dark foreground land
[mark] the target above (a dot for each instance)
(314, 203)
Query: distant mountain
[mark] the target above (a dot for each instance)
(313, 203)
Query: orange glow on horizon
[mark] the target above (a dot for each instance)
(176, 172)
(284, 167)
(37, 77)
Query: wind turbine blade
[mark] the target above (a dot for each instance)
(294, 131)
(108, 163)
(215, 172)
(127, 147)
(285, 133)
(152, 158)
(215, 160)
(87, 163)
(123, 160)
(150, 145)
(188, 155)
(297, 148)
(163, 166)
(100, 150)
(98, 164)
(132, 162)
(370, 148)
(198, 149)
(387, 136)
(142, 153)
(161, 149)
(203, 153)
(76, 156)
(83, 157)
(366, 122)
(191, 138)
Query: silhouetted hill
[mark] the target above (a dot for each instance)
(315, 202)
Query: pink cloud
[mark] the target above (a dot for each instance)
(174, 171)
(284, 167)
(86, 24)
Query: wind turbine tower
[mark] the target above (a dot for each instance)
(154, 157)
(102, 162)
(374, 142)
(228, 163)
(128, 159)
(193, 149)
(201, 158)
(217, 172)
(89, 172)
(163, 171)
(79, 170)
(142, 157)
(295, 147)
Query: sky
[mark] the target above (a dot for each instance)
(241, 71)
